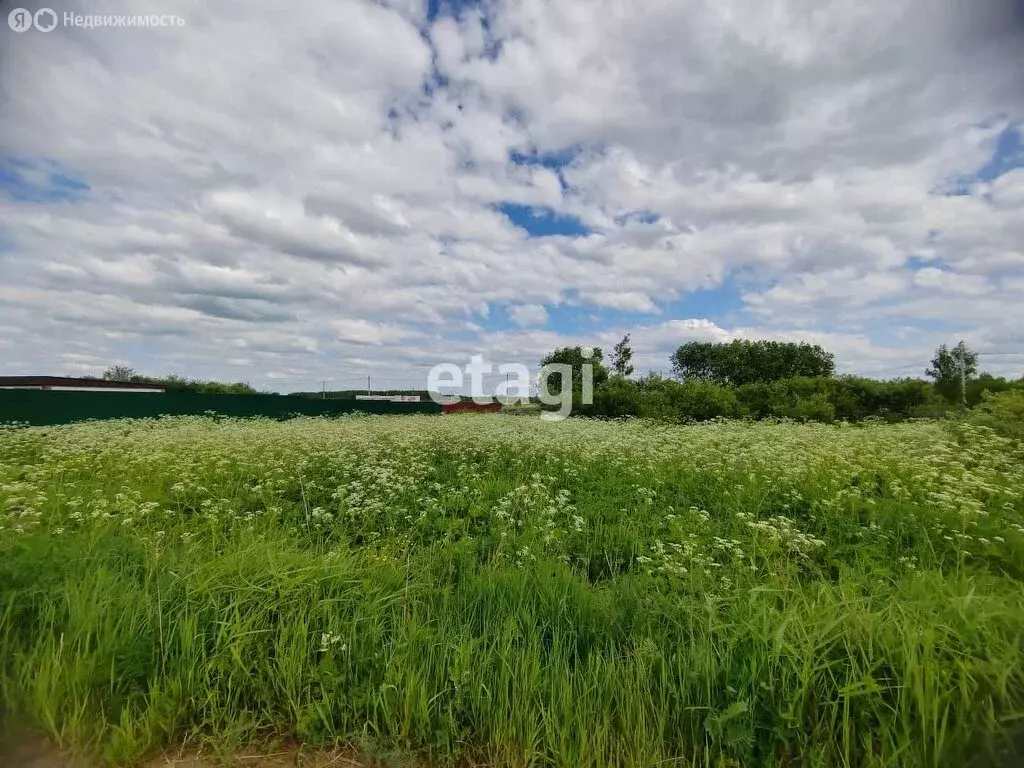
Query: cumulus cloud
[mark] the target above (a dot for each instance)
(528, 314)
(365, 332)
(319, 190)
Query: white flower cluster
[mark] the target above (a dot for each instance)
(329, 641)
(715, 501)
(782, 530)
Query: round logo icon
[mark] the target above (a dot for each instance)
(20, 20)
(45, 20)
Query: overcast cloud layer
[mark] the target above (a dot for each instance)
(291, 193)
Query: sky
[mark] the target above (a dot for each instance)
(303, 194)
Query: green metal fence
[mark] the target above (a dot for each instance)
(40, 408)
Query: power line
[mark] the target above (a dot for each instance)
(929, 362)
(895, 368)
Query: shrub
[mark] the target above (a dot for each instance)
(619, 397)
(976, 388)
(687, 400)
(1003, 412)
(857, 398)
(805, 398)
(817, 407)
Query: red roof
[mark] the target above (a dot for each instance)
(469, 405)
(68, 381)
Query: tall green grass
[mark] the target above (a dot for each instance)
(500, 590)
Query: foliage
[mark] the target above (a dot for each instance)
(654, 397)
(181, 384)
(1002, 412)
(743, 361)
(618, 398)
(510, 592)
(622, 358)
(177, 383)
(574, 357)
(949, 367)
(986, 382)
(709, 389)
(686, 401)
(846, 398)
(119, 373)
(857, 398)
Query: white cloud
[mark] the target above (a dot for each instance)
(944, 280)
(299, 185)
(365, 332)
(528, 314)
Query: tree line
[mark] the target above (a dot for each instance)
(177, 383)
(743, 378)
(773, 379)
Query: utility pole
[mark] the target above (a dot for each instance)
(323, 395)
(367, 384)
(963, 380)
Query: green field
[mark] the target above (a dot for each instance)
(507, 591)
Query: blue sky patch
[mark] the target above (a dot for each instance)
(555, 160)
(637, 217)
(453, 8)
(1007, 155)
(918, 262)
(542, 222)
(721, 303)
(38, 181)
(456, 9)
(576, 317)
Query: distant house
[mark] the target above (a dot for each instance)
(464, 406)
(391, 398)
(69, 384)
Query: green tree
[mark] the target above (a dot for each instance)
(951, 369)
(574, 357)
(119, 373)
(622, 358)
(748, 362)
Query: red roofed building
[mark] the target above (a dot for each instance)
(465, 406)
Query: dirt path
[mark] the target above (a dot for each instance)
(287, 759)
(36, 753)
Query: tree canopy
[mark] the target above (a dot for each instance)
(743, 361)
(120, 373)
(951, 368)
(622, 358)
(574, 357)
